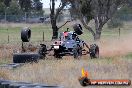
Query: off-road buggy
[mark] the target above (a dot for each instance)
(68, 44)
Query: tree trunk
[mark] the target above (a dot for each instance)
(5, 15)
(25, 17)
(98, 28)
(53, 20)
(55, 31)
(97, 35)
(54, 28)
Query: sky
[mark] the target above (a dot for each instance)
(46, 3)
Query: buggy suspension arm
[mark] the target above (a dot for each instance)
(86, 45)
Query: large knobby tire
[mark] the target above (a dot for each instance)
(25, 34)
(77, 51)
(94, 51)
(78, 29)
(18, 84)
(42, 51)
(85, 81)
(25, 57)
(5, 84)
(57, 54)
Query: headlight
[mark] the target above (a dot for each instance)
(56, 47)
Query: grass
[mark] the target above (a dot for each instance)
(129, 55)
(114, 63)
(66, 72)
(14, 31)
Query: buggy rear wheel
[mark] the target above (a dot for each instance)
(42, 51)
(94, 51)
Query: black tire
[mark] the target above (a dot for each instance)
(25, 57)
(42, 51)
(25, 34)
(77, 51)
(57, 54)
(78, 29)
(18, 84)
(5, 84)
(94, 51)
(85, 82)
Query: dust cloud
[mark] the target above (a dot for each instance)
(116, 46)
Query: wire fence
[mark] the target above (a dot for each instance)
(10, 35)
(11, 32)
(45, 18)
(23, 18)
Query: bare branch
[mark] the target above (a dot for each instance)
(61, 7)
(98, 10)
(85, 25)
(63, 24)
(83, 22)
(50, 5)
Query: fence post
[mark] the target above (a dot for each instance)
(8, 37)
(119, 32)
(43, 36)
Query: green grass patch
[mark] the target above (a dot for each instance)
(129, 56)
(14, 32)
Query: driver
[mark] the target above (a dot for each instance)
(66, 35)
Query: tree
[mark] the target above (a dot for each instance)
(2, 8)
(37, 5)
(14, 8)
(10, 8)
(54, 13)
(115, 23)
(123, 14)
(17, 8)
(7, 3)
(98, 10)
(26, 6)
(31, 6)
(129, 3)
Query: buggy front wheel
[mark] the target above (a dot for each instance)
(77, 52)
(94, 51)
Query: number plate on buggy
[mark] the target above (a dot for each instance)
(56, 47)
